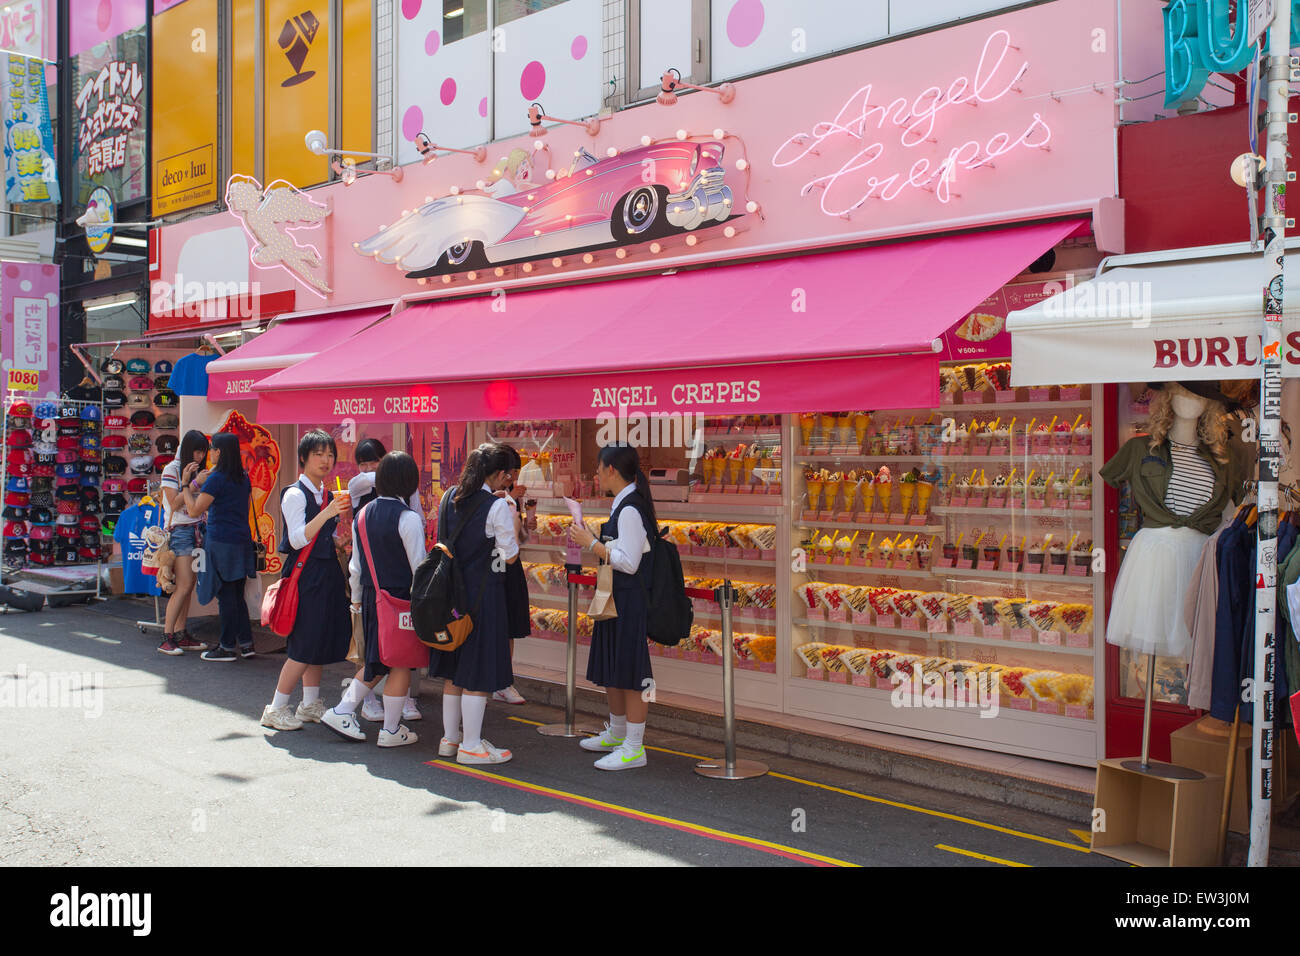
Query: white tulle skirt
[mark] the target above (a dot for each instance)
(1146, 612)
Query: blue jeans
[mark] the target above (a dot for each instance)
(236, 631)
(183, 541)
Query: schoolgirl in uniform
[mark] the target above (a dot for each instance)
(322, 631)
(362, 490)
(517, 610)
(396, 543)
(620, 659)
(488, 539)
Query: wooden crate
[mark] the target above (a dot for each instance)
(1152, 820)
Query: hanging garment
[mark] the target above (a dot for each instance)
(1199, 608)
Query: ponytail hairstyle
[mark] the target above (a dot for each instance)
(625, 460)
(487, 459)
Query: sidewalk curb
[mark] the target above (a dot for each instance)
(1025, 794)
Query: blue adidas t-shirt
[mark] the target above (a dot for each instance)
(129, 533)
(190, 374)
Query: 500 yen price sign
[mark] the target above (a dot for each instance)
(23, 380)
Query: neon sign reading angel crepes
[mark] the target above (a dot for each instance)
(916, 121)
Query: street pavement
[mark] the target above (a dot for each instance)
(162, 762)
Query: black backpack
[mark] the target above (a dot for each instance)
(669, 613)
(438, 594)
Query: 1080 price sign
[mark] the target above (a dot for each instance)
(23, 380)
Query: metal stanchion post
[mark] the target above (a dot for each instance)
(729, 768)
(569, 728)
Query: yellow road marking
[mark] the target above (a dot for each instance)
(698, 829)
(1083, 835)
(881, 800)
(978, 856)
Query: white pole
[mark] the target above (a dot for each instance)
(1270, 430)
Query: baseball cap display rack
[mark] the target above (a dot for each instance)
(11, 399)
(727, 767)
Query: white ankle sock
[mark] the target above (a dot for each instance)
(472, 710)
(371, 698)
(351, 698)
(618, 725)
(393, 713)
(635, 735)
(451, 717)
(279, 701)
(310, 694)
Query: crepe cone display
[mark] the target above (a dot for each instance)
(861, 422)
(868, 495)
(733, 470)
(906, 489)
(814, 483)
(923, 491)
(831, 489)
(845, 425)
(807, 422)
(749, 463)
(828, 426)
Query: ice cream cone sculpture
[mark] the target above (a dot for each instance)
(845, 425)
(884, 488)
(749, 463)
(807, 422)
(735, 462)
(861, 421)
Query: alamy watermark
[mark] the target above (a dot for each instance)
(64, 690)
(193, 299)
(1099, 299)
(651, 430)
(931, 689)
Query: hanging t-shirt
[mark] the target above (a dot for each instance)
(1192, 482)
(190, 374)
(129, 533)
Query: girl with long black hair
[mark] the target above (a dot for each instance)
(619, 659)
(182, 539)
(322, 630)
(227, 545)
(362, 489)
(518, 613)
(486, 531)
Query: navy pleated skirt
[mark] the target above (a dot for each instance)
(520, 621)
(323, 629)
(482, 663)
(620, 657)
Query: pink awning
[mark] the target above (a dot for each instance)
(836, 330)
(238, 373)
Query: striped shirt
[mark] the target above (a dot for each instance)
(1192, 483)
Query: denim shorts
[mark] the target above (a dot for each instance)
(183, 540)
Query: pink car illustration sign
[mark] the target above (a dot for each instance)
(636, 196)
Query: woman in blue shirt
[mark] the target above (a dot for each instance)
(228, 554)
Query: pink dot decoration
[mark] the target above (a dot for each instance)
(745, 22)
(532, 80)
(412, 122)
(579, 47)
(11, 272)
(48, 271)
(482, 107)
(410, 9)
(448, 92)
(104, 15)
(432, 42)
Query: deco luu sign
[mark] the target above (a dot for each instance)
(903, 143)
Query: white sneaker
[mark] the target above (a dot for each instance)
(401, 738)
(448, 748)
(485, 754)
(622, 758)
(603, 742)
(345, 725)
(372, 710)
(508, 696)
(410, 711)
(311, 713)
(280, 719)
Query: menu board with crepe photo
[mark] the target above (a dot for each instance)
(948, 548)
(983, 334)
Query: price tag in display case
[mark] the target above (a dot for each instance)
(23, 380)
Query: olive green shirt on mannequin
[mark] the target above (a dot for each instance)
(1148, 472)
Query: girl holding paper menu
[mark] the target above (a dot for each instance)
(620, 659)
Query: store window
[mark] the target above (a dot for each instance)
(111, 318)
(463, 18)
(507, 11)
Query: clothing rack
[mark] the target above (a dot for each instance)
(12, 398)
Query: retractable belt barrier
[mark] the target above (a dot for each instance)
(727, 768)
